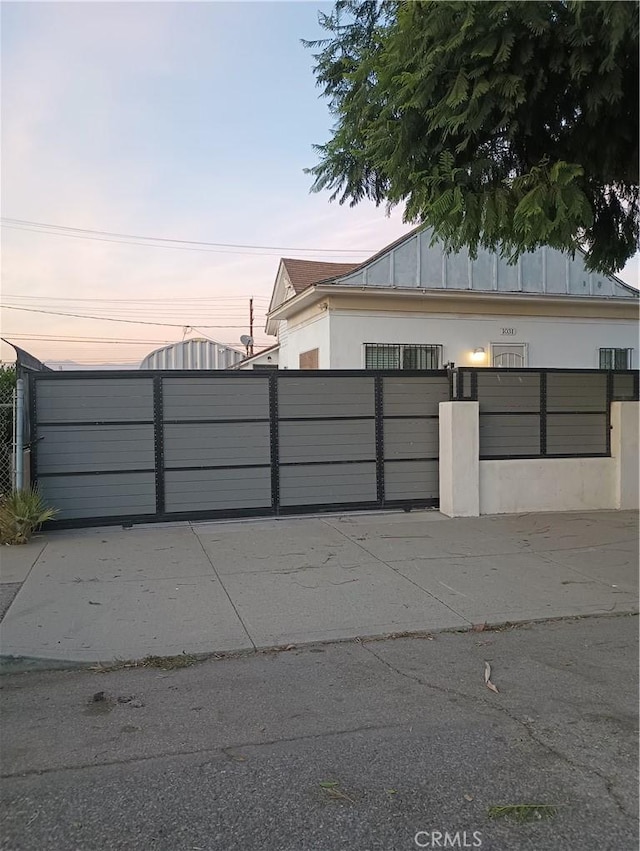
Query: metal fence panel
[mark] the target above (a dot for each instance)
(546, 412)
(411, 438)
(310, 396)
(196, 444)
(584, 433)
(508, 391)
(92, 449)
(327, 440)
(326, 484)
(100, 496)
(410, 480)
(217, 490)
(94, 400)
(509, 435)
(575, 392)
(215, 398)
(408, 396)
(625, 386)
(185, 444)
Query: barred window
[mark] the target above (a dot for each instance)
(615, 358)
(401, 356)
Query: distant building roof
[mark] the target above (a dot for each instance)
(195, 353)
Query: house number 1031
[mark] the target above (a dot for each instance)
(508, 332)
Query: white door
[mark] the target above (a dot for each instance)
(509, 355)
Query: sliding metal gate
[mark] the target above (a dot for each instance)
(125, 447)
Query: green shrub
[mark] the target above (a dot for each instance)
(21, 514)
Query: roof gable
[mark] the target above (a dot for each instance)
(305, 273)
(413, 262)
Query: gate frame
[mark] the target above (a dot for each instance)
(275, 510)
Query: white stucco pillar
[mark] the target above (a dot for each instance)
(625, 441)
(459, 459)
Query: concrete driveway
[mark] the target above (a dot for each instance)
(110, 593)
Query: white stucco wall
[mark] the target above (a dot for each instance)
(551, 342)
(625, 450)
(312, 334)
(547, 484)
(459, 465)
(535, 484)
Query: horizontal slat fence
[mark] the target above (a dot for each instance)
(120, 447)
(554, 413)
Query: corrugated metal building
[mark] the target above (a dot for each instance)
(197, 353)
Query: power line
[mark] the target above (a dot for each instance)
(41, 338)
(160, 301)
(114, 319)
(128, 312)
(109, 236)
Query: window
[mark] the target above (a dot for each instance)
(615, 358)
(509, 355)
(309, 360)
(401, 356)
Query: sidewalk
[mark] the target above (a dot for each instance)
(103, 594)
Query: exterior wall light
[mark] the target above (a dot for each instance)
(478, 355)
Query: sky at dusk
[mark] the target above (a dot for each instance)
(178, 121)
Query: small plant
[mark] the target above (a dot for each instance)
(523, 812)
(21, 514)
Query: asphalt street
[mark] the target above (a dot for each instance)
(392, 745)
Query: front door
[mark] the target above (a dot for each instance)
(509, 355)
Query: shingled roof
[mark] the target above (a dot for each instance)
(305, 273)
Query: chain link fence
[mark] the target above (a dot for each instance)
(7, 436)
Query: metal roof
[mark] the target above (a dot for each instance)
(196, 353)
(413, 262)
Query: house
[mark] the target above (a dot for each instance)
(412, 306)
(264, 359)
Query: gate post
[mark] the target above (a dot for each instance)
(18, 446)
(459, 463)
(625, 440)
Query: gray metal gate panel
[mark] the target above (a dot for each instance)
(217, 490)
(215, 398)
(94, 449)
(337, 484)
(99, 497)
(417, 480)
(326, 424)
(410, 396)
(327, 440)
(318, 396)
(90, 400)
(117, 447)
(410, 436)
(87, 448)
(216, 444)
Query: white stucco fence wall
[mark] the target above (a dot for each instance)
(536, 484)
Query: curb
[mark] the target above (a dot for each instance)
(31, 664)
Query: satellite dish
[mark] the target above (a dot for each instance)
(246, 340)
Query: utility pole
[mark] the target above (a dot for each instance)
(251, 326)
